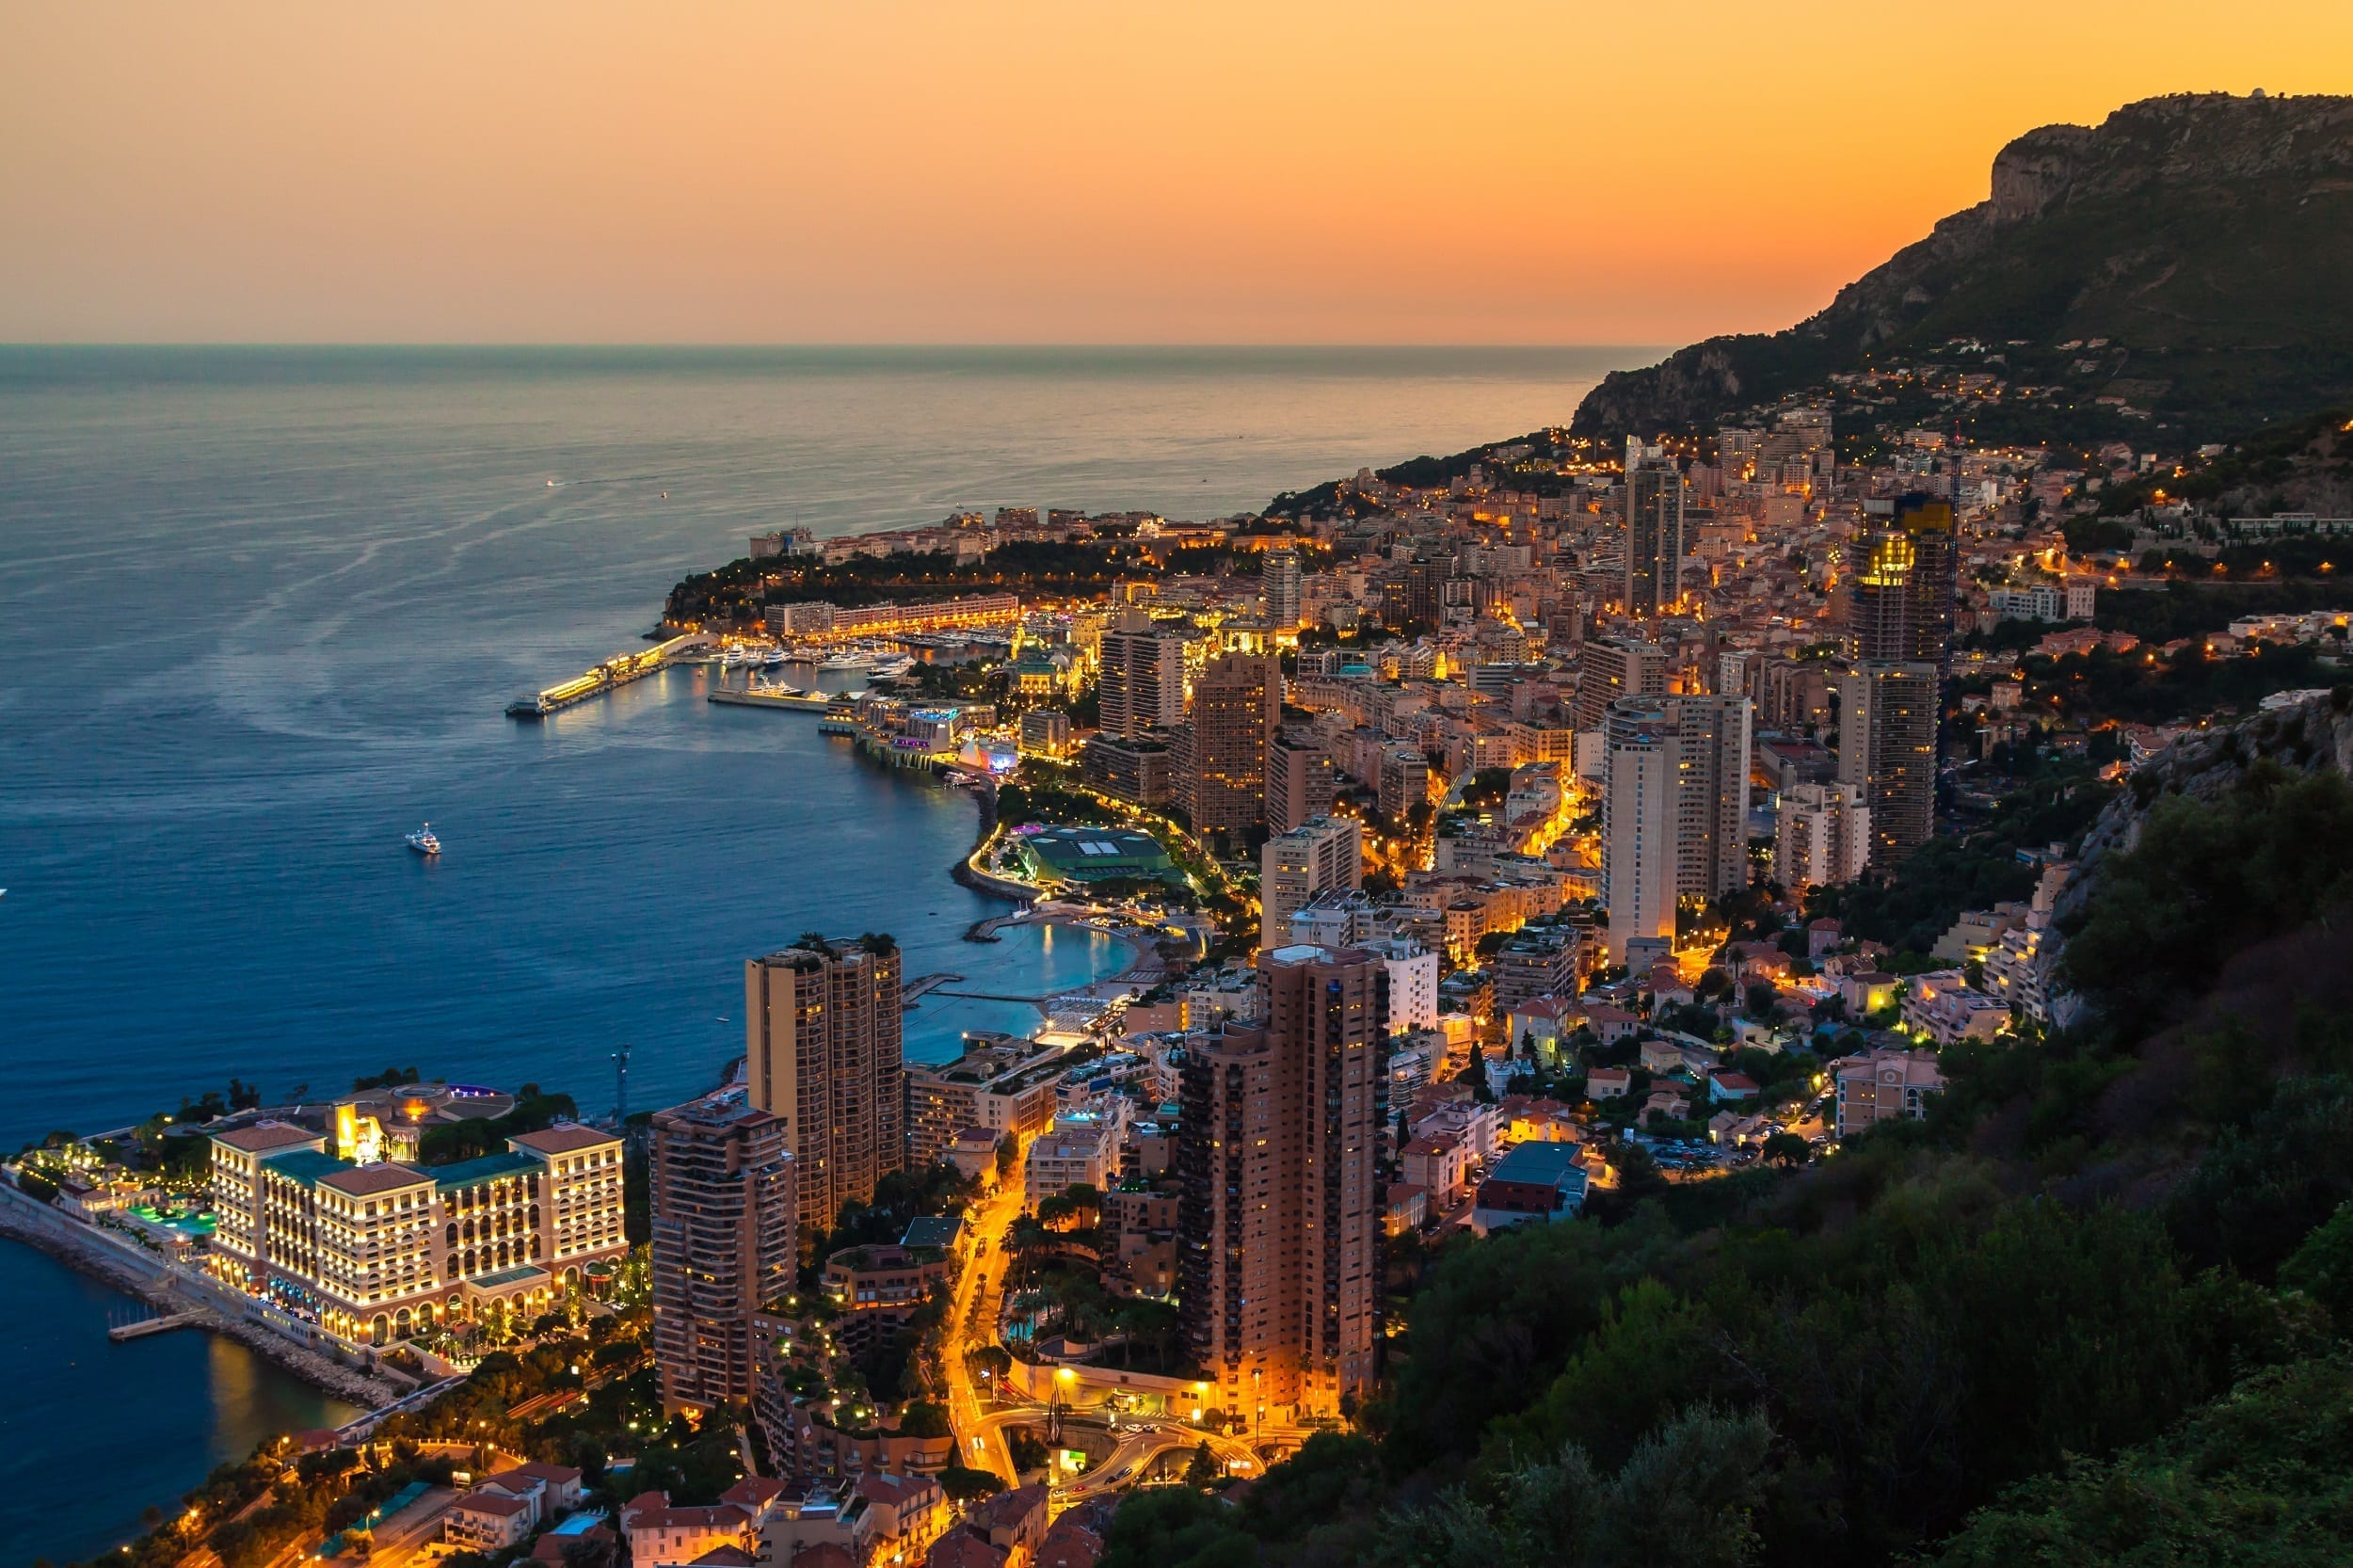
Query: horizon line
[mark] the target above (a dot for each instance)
(806, 344)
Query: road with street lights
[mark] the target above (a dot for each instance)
(979, 1439)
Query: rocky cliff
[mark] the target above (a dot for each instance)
(2209, 237)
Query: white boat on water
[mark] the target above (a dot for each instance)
(423, 842)
(895, 664)
(774, 658)
(853, 660)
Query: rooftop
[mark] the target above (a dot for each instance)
(364, 1181)
(1539, 1164)
(466, 1173)
(306, 1166)
(266, 1135)
(568, 1138)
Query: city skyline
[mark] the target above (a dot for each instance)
(268, 173)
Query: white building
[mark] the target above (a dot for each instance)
(1823, 836)
(1675, 809)
(1080, 1148)
(1413, 984)
(1319, 856)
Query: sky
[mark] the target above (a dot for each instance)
(1275, 172)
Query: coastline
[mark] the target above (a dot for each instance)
(44, 1229)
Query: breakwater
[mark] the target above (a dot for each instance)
(122, 1265)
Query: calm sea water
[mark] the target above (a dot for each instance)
(259, 611)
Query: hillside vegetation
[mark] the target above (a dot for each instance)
(2206, 238)
(2092, 1310)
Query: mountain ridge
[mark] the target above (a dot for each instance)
(2204, 235)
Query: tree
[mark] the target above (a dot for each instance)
(1201, 1471)
(965, 1484)
(1008, 1155)
(1787, 1148)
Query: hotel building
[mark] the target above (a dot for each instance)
(375, 1252)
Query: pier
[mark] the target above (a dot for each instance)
(146, 1326)
(923, 984)
(611, 675)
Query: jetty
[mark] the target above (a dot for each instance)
(146, 1326)
(611, 675)
(925, 983)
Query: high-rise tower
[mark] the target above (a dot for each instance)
(822, 1038)
(1654, 531)
(1281, 1216)
(1675, 809)
(1888, 728)
(724, 1235)
(1279, 588)
(1235, 703)
(1142, 683)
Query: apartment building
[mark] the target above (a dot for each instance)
(823, 1043)
(1319, 856)
(1281, 1213)
(725, 1244)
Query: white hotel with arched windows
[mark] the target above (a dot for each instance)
(374, 1252)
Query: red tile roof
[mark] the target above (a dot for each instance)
(365, 1181)
(491, 1502)
(266, 1135)
(571, 1138)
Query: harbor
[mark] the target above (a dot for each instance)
(611, 675)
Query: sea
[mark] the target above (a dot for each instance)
(261, 611)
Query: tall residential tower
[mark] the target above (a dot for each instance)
(1280, 1217)
(822, 1038)
(723, 1245)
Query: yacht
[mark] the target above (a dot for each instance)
(774, 658)
(853, 658)
(423, 842)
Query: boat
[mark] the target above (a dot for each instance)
(774, 658)
(852, 660)
(423, 842)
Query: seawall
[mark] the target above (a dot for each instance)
(126, 1266)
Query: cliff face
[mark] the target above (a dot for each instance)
(2210, 236)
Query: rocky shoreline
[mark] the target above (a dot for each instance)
(67, 1240)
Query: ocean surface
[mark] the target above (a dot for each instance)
(259, 611)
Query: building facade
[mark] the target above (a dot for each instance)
(1235, 703)
(1887, 753)
(725, 1244)
(1821, 836)
(1317, 857)
(375, 1252)
(823, 1046)
(1281, 1215)
(1299, 782)
(1654, 531)
(1143, 681)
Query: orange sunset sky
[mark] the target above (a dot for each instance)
(1205, 172)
